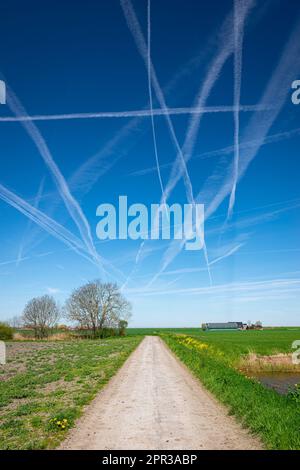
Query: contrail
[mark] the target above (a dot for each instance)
(136, 31)
(175, 247)
(71, 204)
(89, 172)
(225, 51)
(227, 48)
(190, 140)
(176, 172)
(195, 270)
(47, 223)
(150, 94)
(273, 138)
(265, 217)
(14, 261)
(90, 169)
(238, 28)
(135, 113)
(36, 204)
(133, 271)
(139, 252)
(229, 253)
(228, 289)
(170, 283)
(205, 89)
(276, 92)
(227, 150)
(53, 228)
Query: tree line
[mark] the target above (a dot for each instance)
(97, 307)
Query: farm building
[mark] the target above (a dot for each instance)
(236, 325)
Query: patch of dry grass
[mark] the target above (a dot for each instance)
(53, 379)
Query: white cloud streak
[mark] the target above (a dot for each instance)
(150, 94)
(71, 204)
(96, 166)
(226, 48)
(137, 34)
(45, 222)
(275, 93)
(280, 136)
(136, 31)
(239, 21)
(227, 254)
(25, 238)
(239, 288)
(142, 113)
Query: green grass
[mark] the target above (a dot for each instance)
(236, 343)
(275, 418)
(240, 343)
(47, 380)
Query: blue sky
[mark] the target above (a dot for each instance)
(238, 59)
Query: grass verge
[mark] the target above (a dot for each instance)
(45, 385)
(274, 418)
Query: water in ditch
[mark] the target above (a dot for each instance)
(281, 382)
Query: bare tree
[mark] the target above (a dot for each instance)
(41, 314)
(113, 306)
(97, 306)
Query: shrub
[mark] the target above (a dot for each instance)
(122, 327)
(6, 332)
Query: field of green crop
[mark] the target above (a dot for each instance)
(212, 357)
(44, 386)
(236, 343)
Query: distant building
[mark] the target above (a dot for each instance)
(235, 325)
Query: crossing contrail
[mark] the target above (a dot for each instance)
(137, 34)
(238, 26)
(134, 113)
(96, 166)
(71, 204)
(234, 288)
(225, 51)
(227, 254)
(55, 229)
(133, 271)
(273, 138)
(136, 31)
(93, 168)
(276, 92)
(45, 222)
(150, 94)
(23, 241)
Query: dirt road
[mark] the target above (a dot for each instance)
(153, 402)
